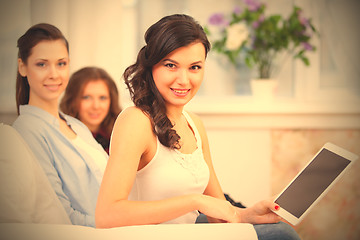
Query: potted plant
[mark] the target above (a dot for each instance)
(249, 35)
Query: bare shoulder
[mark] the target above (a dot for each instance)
(132, 128)
(133, 116)
(133, 112)
(134, 120)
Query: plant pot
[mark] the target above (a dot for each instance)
(263, 89)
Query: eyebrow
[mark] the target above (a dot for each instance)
(173, 61)
(197, 62)
(60, 59)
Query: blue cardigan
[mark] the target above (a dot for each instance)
(72, 172)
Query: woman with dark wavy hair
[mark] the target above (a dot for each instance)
(160, 169)
(92, 97)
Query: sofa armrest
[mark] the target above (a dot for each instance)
(231, 231)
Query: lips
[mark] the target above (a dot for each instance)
(180, 92)
(94, 115)
(52, 87)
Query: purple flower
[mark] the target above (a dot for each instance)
(304, 21)
(307, 46)
(253, 5)
(256, 24)
(253, 8)
(250, 2)
(261, 18)
(237, 10)
(217, 19)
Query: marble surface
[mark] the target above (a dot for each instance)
(337, 215)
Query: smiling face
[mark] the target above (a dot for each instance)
(94, 104)
(179, 75)
(47, 72)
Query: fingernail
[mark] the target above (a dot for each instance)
(277, 207)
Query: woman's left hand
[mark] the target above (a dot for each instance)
(259, 213)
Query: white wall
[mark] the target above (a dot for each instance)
(241, 159)
(100, 32)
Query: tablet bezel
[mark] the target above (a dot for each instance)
(330, 147)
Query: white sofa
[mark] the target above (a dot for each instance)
(30, 209)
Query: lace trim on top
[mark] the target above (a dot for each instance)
(193, 162)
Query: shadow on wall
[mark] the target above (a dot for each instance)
(8, 118)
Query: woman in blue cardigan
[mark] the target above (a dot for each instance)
(71, 158)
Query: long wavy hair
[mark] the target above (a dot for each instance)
(33, 36)
(70, 103)
(163, 37)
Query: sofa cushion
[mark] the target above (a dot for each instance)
(26, 195)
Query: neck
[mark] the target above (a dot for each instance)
(51, 107)
(93, 128)
(174, 113)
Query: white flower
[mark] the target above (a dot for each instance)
(236, 34)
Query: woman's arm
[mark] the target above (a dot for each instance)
(133, 143)
(259, 213)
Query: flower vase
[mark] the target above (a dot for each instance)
(263, 89)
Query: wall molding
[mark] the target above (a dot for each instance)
(244, 112)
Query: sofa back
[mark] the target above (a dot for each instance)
(26, 195)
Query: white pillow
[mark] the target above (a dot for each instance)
(26, 195)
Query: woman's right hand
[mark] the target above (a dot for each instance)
(261, 213)
(218, 208)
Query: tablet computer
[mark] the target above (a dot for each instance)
(313, 181)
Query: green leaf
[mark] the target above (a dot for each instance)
(206, 30)
(306, 61)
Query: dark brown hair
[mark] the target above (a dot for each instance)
(33, 36)
(163, 37)
(70, 103)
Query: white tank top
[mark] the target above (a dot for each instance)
(99, 157)
(171, 173)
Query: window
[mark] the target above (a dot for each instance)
(333, 71)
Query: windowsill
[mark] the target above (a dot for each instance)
(245, 112)
(243, 105)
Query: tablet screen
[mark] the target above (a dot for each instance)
(312, 182)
